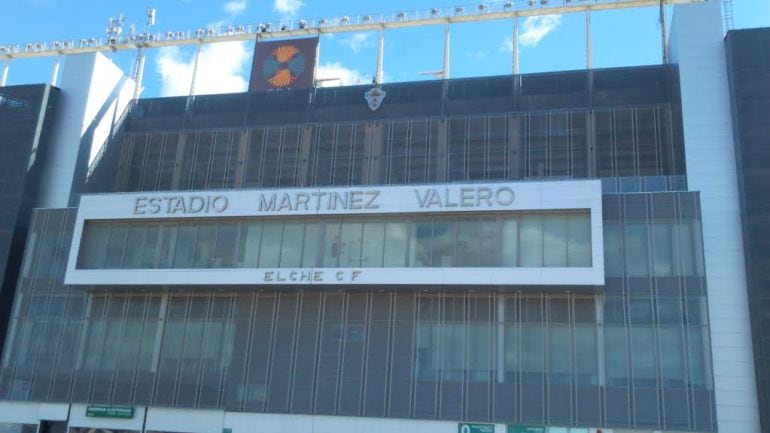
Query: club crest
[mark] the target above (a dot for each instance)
(374, 98)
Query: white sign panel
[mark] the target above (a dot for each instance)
(441, 199)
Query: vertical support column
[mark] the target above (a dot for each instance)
(380, 53)
(589, 47)
(139, 73)
(664, 32)
(500, 299)
(698, 48)
(4, 74)
(515, 45)
(84, 331)
(159, 333)
(55, 73)
(195, 68)
(445, 71)
(599, 308)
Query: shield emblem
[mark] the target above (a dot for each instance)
(374, 98)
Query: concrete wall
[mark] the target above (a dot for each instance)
(212, 421)
(697, 46)
(94, 93)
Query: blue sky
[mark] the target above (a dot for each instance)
(621, 38)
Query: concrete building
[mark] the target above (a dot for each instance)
(569, 252)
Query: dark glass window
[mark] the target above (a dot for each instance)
(550, 239)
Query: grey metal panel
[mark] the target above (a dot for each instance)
(392, 353)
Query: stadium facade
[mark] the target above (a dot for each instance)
(568, 252)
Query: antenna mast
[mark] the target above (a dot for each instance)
(138, 70)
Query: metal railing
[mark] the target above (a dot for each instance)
(301, 27)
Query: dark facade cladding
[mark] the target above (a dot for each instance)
(748, 60)
(637, 356)
(26, 116)
(582, 124)
(634, 353)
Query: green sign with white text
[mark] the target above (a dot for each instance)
(525, 429)
(475, 428)
(109, 411)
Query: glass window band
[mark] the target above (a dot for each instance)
(521, 239)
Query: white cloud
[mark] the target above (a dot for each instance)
(221, 69)
(533, 30)
(357, 41)
(337, 75)
(287, 7)
(536, 28)
(235, 7)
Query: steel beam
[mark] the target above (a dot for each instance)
(589, 43)
(294, 28)
(55, 73)
(515, 45)
(4, 74)
(380, 54)
(195, 69)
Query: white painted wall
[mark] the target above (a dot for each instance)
(213, 421)
(186, 420)
(90, 85)
(697, 45)
(252, 422)
(32, 413)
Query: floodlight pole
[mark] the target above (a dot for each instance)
(589, 47)
(380, 53)
(139, 73)
(445, 71)
(515, 45)
(141, 53)
(4, 75)
(55, 73)
(195, 69)
(664, 32)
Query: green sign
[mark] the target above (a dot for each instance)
(525, 429)
(227, 430)
(109, 411)
(475, 428)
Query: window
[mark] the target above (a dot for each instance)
(115, 246)
(372, 244)
(185, 242)
(291, 244)
(510, 237)
(396, 238)
(525, 239)
(350, 246)
(662, 258)
(554, 242)
(270, 247)
(250, 238)
(636, 249)
(578, 242)
(530, 244)
(93, 246)
(422, 244)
